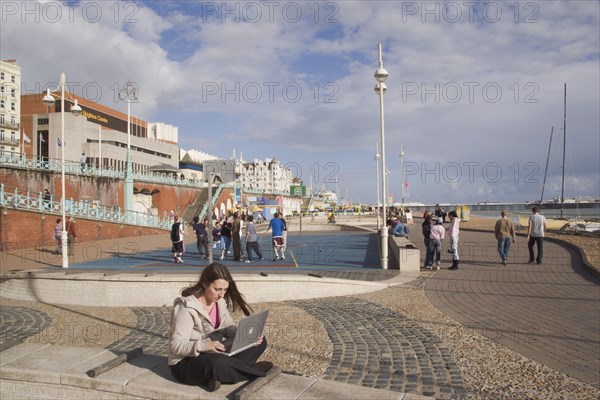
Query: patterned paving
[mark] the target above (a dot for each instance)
(21, 322)
(376, 347)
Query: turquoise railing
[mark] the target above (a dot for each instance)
(74, 168)
(215, 196)
(77, 208)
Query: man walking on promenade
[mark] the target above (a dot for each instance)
(505, 233)
(535, 235)
(277, 226)
(201, 230)
(251, 240)
(177, 240)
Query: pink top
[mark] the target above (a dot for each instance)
(214, 316)
(453, 228)
(437, 232)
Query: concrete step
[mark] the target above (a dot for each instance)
(34, 369)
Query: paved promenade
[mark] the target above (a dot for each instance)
(549, 313)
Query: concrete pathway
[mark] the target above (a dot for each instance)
(549, 312)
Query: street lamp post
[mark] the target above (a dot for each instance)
(75, 110)
(402, 176)
(380, 76)
(377, 158)
(128, 93)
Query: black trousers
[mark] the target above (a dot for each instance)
(540, 248)
(213, 366)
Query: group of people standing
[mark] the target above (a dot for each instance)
(433, 236)
(504, 232)
(228, 233)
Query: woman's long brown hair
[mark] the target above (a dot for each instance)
(235, 300)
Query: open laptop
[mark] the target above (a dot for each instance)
(248, 332)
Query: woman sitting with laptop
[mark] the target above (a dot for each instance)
(195, 357)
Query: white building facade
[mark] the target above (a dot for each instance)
(10, 107)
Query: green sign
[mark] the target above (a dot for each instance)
(298, 190)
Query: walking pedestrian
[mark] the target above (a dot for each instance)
(504, 230)
(71, 235)
(252, 241)
(201, 230)
(453, 232)
(426, 229)
(225, 238)
(58, 235)
(194, 357)
(236, 237)
(283, 235)
(177, 239)
(535, 235)
(277, 228)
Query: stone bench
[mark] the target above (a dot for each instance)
(403, 254)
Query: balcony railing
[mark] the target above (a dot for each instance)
(9, 124)
(9, 141)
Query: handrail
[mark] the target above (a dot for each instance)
(74, 168)
(215, 196)
(78, 208)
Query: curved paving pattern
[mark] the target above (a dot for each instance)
(374, 346)
(549, 313)
(151, 332)
(21, 323)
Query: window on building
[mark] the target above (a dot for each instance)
(13, 92)
(1, 89)
(1, 103)
(13, 79)
(43, 121)
(2, 75)
(2, 134)
(13, 106)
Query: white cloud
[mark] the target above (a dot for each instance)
(176, 57)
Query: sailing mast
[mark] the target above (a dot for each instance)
(562, 193)
(546, 171)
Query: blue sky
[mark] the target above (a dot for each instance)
(473, 89)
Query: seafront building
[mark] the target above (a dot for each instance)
(99, 133)
(10, 108)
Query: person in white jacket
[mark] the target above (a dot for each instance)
(453, 232)
(194, 357)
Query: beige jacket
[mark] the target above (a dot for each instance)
(190, 325)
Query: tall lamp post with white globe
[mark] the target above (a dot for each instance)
(380, 76)
(49, 100)
(129, 93)
(377, 160)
